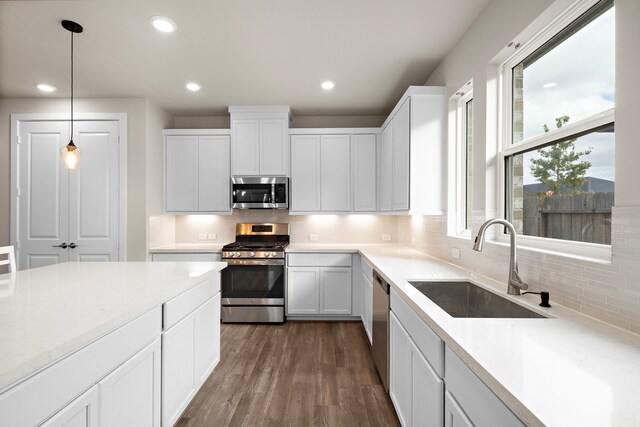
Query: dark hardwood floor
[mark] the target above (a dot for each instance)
(295, 374)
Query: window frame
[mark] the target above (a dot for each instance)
(458, 162)
(506, 148)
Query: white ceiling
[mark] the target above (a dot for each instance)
(240, 51)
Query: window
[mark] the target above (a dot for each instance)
(559, 144)
(462, 170)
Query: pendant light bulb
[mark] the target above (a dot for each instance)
(71, 154)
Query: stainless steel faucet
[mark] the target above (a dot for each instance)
(515, 284)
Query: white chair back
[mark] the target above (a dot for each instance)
(10, 258)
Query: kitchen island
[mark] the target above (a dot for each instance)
(66, 329)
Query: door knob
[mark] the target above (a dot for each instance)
(63, 245)
(73, 245)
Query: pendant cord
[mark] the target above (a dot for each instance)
(71, 138)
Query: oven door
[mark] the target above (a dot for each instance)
(253, 282)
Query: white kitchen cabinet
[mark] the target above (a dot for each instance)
(260, 140)
(187, 257)
(82, 412)
(469, 401)
(305, 173)
(366, 300)
(415, 389)
(400, 155)
(386, 168)
(335, 173)
(412, 158)
(131, 394)
(190, 351)
(197, 176)
(363, 171)
(303, 290)
(319, 285)
(335, 290)
(454, 416)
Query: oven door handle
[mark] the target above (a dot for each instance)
(253, 261)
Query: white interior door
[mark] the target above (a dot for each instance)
(56, 207)
(93, 193)
(43, 196)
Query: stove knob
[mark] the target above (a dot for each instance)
(252, 254)
(236, 254)
(272, 254)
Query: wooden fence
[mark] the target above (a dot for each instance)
(580, 217)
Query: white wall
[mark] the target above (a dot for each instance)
(609, 291)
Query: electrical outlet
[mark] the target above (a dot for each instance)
(202, 236)
(313, 237)
(455, 252)
(386, 237)
(213, 236)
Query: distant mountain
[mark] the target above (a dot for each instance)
(591, 185)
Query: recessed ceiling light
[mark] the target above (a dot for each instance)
(549, 85)
(46, 87)
(163, 24)
(328, 85)
(193, 87)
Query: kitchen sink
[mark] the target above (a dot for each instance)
(464, 299)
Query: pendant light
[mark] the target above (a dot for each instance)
(70, 153)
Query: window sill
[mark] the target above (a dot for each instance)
(585, 252)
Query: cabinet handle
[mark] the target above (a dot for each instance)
(63, 245)
(73, 245)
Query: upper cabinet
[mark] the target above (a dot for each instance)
(197, 176)
(333, 170)
(413, 164)
(259, 140)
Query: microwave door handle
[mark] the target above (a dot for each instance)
(273, 193)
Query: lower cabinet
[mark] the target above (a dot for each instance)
(366, 303)
(190, 351)
(130, 395)
(319, 284)
(82, 412)
(454, 416)
(187, 256)
(415, 389)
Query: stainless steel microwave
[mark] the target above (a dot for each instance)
(260, 193)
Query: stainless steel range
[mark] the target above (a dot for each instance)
(253, 282)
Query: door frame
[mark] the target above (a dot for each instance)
(121, 118)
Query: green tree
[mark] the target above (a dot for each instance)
(559, 166)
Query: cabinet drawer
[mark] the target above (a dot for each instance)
(37, 398)
(187, 257)
(366, 268)
(429, 343)
(185, 303)
(319, 260)
(476, 399)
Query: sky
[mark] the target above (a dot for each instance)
(580, 81)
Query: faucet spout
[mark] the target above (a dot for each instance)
(515, 284)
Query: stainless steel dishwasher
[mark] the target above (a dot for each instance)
(380, 341)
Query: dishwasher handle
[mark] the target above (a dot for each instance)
(384, 285)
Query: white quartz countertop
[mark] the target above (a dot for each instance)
(49, 312)
(567, 370)
(187, 247)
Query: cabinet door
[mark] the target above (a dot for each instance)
(369, 304)
(427, 392)
(401, 146)
(214, 178)
(82, 412)
(454, 416)
(363, 161)
(386, 168)
(305, 173)
(335, 290)
(335, 181)
(178, 368)
(303, 295)
(274, 150)
(245, 142)
(130, 395)
(400, 370)
(207, 339)
(181, 174)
